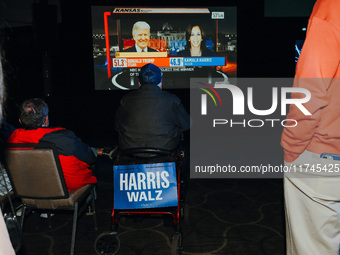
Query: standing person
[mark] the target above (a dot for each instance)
(195, 46)
(141, 35)
(75, 156)
(149, 116)
(312, 190)
(6, 247)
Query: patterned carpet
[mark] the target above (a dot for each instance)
(223, 216)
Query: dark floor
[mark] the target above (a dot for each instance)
(224, 216)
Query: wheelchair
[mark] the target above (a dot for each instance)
(150, 160)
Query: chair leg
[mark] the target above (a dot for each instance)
(94, 210)
(23, 210)
(49, 220)
(74, 228)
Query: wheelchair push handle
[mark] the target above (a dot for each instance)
(145, 152)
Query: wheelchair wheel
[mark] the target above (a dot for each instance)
(107, 243)
(176, 245)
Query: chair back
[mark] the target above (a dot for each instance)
(35, 171)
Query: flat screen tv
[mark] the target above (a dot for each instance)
(184, 42)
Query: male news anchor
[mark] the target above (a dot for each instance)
(141, 35)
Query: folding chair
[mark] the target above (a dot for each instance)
(37, 178)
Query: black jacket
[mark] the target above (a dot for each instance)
(151, 117)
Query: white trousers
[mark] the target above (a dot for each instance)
(312, 206)
(6, 247)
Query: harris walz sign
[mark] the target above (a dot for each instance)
(145, 186)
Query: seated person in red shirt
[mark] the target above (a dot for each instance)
(75, 156)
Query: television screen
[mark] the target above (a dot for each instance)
(184, 42)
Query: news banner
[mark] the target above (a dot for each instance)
(168, 61)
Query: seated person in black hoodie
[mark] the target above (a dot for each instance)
(151, 117)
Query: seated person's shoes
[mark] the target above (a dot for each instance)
(110, 152)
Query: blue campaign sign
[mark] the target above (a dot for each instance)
(145, 186)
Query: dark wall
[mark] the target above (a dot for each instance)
(54, 61)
